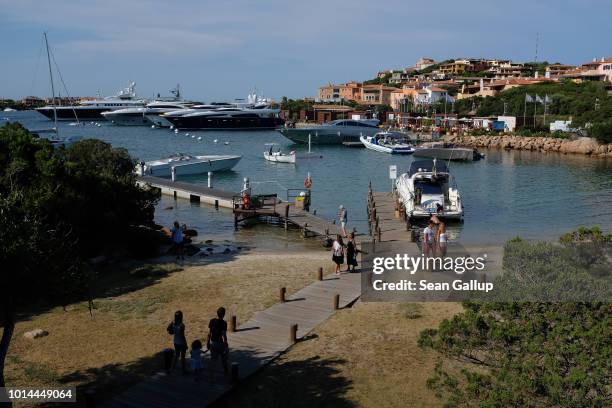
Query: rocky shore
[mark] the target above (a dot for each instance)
(581, 145)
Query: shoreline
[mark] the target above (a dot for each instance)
(585, 146)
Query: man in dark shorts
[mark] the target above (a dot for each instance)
(217, 341)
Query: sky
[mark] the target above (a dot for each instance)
(225, 49)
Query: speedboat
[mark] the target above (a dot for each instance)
(446, 151)
(65, 141)
(274, 154)
(334, 132)
(92, 109)
(185, 165)
(429, 189)
(9, 110)
(387, 142)
(256, 117)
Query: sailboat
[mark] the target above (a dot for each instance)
(56, 141)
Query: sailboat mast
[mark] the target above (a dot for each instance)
(52, 85)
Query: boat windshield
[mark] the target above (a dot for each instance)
(428, 188)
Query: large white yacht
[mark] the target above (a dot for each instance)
(163, 119)
(256, 117)
(143, 115)
(334, 132)
(428, 189)
(92, 109)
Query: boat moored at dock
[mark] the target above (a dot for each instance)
(92, 109)
(387, 142)
(446, 151)
(429, 189)
(334, 132)
(185, 165)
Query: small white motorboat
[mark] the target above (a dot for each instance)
(274, 154)
(387, 142)
(428, 189)
(185, 165)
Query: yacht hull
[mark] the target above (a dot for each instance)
(70, 113)
(456, 153)
(130, 119)
(193, 168)
(158, 120)
(323, 135)
(215, 123)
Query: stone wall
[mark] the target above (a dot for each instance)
(581, 145)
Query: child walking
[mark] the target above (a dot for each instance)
(196, 359)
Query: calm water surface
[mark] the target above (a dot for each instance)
(509, 193)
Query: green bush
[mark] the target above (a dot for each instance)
(602, 131)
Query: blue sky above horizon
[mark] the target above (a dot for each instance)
(221, 50)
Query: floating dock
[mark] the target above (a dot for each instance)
(193, 192)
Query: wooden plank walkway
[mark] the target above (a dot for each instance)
(255, 343)
(190, 191)
(392, 227)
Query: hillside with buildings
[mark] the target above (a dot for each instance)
(473, 88)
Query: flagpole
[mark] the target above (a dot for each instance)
(525, 113)
(545, 98)
(535, 110)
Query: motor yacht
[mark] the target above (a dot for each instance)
(143, 115)
(256, 117)
(387, 142)
(92, 109)
(446, 151)
(185, 165)
(334, 132)
(427, 189)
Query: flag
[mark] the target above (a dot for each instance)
(547, 99)
(528, 98)
(539, 99)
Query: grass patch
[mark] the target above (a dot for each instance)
(411, 310)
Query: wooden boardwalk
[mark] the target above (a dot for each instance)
(190, 191)
(254, 344)
(386, 223)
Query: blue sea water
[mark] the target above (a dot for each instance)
(509, 193)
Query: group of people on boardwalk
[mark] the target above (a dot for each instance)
(340, 250)
(216, 343)
(434, 238)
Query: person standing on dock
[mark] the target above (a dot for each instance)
(338, 253)
(342, 217)
(178, 241)
(217, 341)
(351, 253)
(428, 239)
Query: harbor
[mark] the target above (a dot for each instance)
(523, 204)
(270, 205)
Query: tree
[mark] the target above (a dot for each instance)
(57, 208)
(602, 131)
(533, 354)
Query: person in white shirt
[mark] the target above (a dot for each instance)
(338, 253)
(428, 239)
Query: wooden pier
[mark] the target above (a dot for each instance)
(190, 191)
(285, 213)
(387, 218)
(253, 344)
